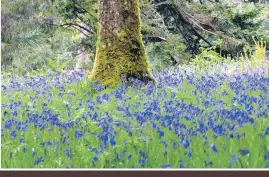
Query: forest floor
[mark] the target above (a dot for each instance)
(213, 118)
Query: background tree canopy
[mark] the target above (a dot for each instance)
(41, 34)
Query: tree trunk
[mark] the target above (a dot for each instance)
(120, 50)
(82, 57)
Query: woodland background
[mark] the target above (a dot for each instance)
(41, 35)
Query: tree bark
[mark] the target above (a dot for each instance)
(119, 50)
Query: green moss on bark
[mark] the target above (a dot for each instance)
(122, 53)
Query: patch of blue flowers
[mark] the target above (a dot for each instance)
(186, 120)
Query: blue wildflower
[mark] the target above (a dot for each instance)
(117, 156)
(266, 156)
(98, 99)
(33, 152)
(94, 160)
(8, 124)
(44, 104)
(13, 134)
(22, 126)
(187, 144)
(106, 97)
(208, 163)
(46, 143)
(266, 131)
(129, 156)
(64, 139)
(95, 116)
(24, 149)
(68, 153)
(244, 152)
(182, 166)
(233, 159)
(143, 154)
(38, 160)
(218, 129)
(214, 148)
(189, 154)
(22, 141)
(112, 141)
(78, 134)
(104, 138)
(161, 133)
(142, 161)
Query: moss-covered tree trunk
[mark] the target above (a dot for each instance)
(120, 50)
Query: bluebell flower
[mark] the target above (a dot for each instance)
(46, 143)
(164, 142)
(142, 161)
(231, 136)
(218, 129)
(143, 154)
(22, 141)
(161, 133)
(94, 160)
(13, 134)
(98, 99)
(244, 152)
(130, 133)
(44, 104)
(267, 131)
(78, 134)
(42, 126)
(187, 143)
(238, 136)
(233, 159)
(189, 154)
(68, 153)
(117, 156)
(94, 150)
(14, 113)
(208, 163)
(38, 160)
(214, 148)
(21, 126)
(104, 138)
(182, 166)
(129, 156)
(33, 152)
(8, 124)
(174, 145)
(266, 156)
(112, 141)
(24, 149)
(95, 116)
(106, 97)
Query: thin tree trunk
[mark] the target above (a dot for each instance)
(82, 58)
(120, 50)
